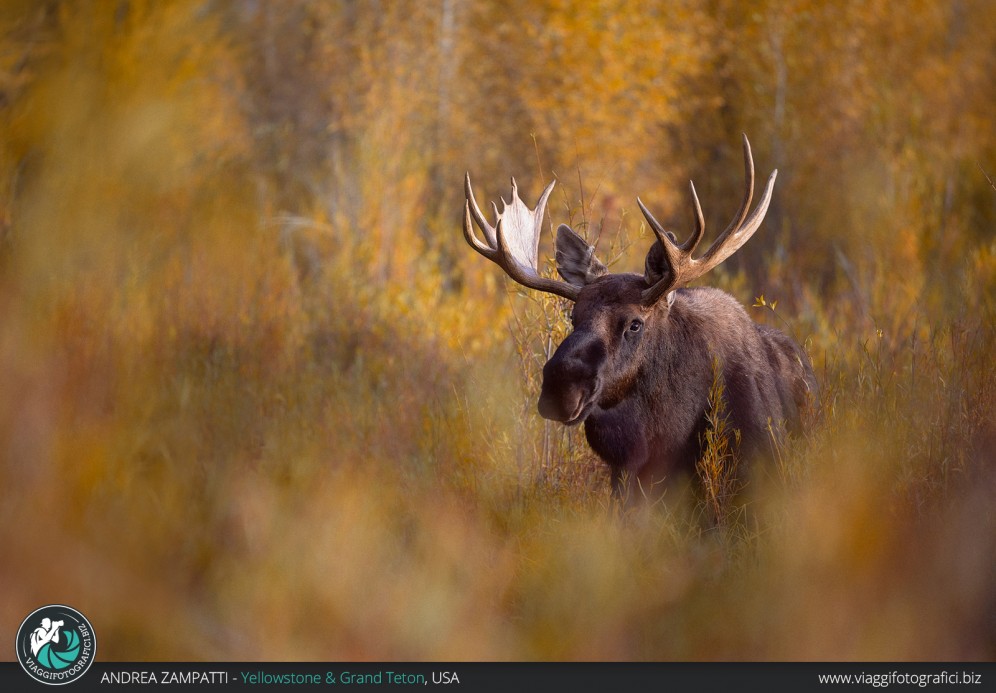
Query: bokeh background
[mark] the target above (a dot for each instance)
(258, 399)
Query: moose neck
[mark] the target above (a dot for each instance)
(676, 365)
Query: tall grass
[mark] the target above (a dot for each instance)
(241, 460)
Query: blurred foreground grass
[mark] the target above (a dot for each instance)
(229, 433)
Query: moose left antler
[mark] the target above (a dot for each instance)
(682, 268)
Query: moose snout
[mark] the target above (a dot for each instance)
(570, 380)
(560, 406)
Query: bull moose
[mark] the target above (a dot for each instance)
(638, 366)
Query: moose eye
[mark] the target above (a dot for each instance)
(635, 326)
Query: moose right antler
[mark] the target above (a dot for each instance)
(680, 268)
(513, 242)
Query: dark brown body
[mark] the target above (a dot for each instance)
(646, 416)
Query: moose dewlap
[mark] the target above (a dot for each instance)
(638, 367)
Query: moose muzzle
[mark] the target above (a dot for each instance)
(571, 380)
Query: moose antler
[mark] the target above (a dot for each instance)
(513, 242)
(682, 268)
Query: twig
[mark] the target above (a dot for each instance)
(986, 175)
(577, 163)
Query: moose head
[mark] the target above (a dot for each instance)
(638, 366)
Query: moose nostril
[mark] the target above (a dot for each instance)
(546, 407)
(559, 398)
(565, 401)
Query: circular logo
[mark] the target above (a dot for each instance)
(56, 644)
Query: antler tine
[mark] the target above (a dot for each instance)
(489, 231)
(671, 251)
(471, 237)
(541, 204)
(654, 224)
(673, 255)
(692, 243)
(738, 218)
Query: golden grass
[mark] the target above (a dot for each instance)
(228, 433)
(216, 459)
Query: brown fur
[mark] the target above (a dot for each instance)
(643, 396)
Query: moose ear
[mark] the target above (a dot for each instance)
(656, 266)
(576, 260)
